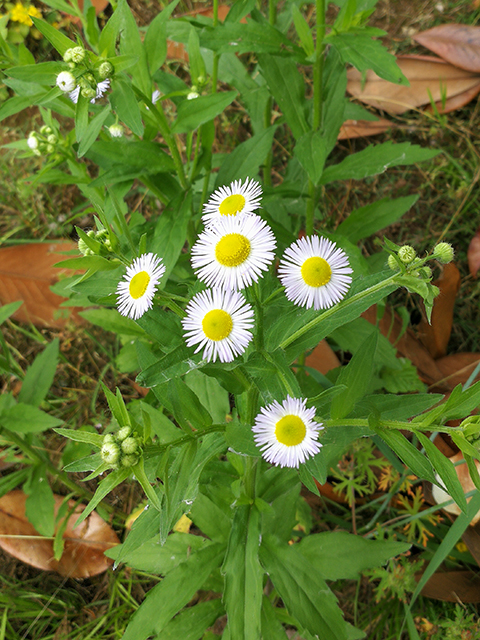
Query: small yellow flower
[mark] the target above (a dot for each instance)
(22, 14)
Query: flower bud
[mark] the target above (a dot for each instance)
(105, 70)
(407, 254)
(66, 81)
(67, 56)
(193, 95)
(49, 148)
(88, 93)
(110, 453)
(85, 250)
(52, 138)
(77, 54)
(425, 273)
(129, 460)
(32, 141)
(124, 433)
(444, 252)
(392, 263)
(130, 445)
(116, 130)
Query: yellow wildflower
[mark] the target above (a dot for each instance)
(22, 14)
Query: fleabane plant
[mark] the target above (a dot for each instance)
(218, 295)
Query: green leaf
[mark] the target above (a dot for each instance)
(7, 310)
(155, 42)
(446, 470)
(210, 518)
(239, 9)
(211, 395)
(272, 628)
(187, 408)
(377, 159)
(365, 53)
(271, 374)
(303, 30)
(288, 88)
(193, 113)
(81, 117)
(243, 575)
(19, 103)
(300, 589)
(191, 623)
(311, 151)
(56, 38)
(242, 38)
(23, 418)
(12, 480)
(367, 220)
(170, 596)
(42, 73)
(125, 105)
(246, 159)
(239, 438)
(94, 439)
(106, 485)
(93, 129)
(39, 376)
(408, 453)
(40, 503)
(131, 44)
(356, 377)
(111, 320)
(196, 62)
(396, 407)
(339, 555)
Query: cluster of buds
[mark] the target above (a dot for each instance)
(43, 142)
(101, 237)
(122, 449)
(471, 430)
(87, 80)
(406, 257)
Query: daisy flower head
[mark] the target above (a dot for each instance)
(135, 292)
(233, 252)
(232, 199)
(219, 322)
(66, 81)
(315, 273)
(286, 433)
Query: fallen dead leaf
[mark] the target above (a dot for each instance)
(26, 273)
(453, 586)
(363, 128)
(473, 254)
(83, 555)
(471, 537)
(435, 335)
(431, 79)
(455, 102)
(458, 367)
(459, 44)
(322, 358)
(439, 495)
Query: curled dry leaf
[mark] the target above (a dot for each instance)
(83, 554)
(473, 254)
(431, 79)
(458, 367)
(439, 495)
(452, 586)
(27, 273)
(459, 44)
(363, 128)
(435, 335)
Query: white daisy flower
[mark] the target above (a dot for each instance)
(286, 433)
(236, 198)
(220, 321)
(73, 95)
(66, 81)
(102, 87)
(136, 291)
(32, 141)
(314, 272)
(233, 252)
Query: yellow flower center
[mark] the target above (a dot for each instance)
(232, 249)
(290, 430)
(232, 205)
(316, 272)
(217, 324)
(138, 284)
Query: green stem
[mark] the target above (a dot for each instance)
(388, 424)
(215, 55)
(155, 450)
(341, 306)
(52, 470)
(272, 11)
(310, 212)
(258, 318)
(280, 374)
(167, 301)
(267, 169)
(250, 477)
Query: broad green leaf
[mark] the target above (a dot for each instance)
(111, 320)
(196, 62)
(376, 159)
(272, 628)
(239, 9)
(81, 117)
(193, 113)
(367, 220)
(173, 364)
(311, 151)
(23, 418)
(191, 623)
(339, 555)
(39, 376)
(125, 105)
(247, 157)
(109, 483)
(243, 575)
(239, 438)
(303, 591)
(303, 30)
(396, 407)
(40, 503)
(131, 44)
(272, 376)
(7, 310)
(12, 480)
(211, 395)
(288, 88)
(93, 129)
(335, 102)
(94, 439)
(446, 470)
(210, 518)
(155, 42)
(170, 596)
(187, 408)
(54, 36)
(356, 377)
(365, 53)
(242, 38)
(42, 73)
(408, 453)
(18, 103)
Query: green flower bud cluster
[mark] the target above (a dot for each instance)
(74, 56)
(122, 449)
(43, 142)
(444, 252)
(471, 430)
(100, 236)
(89, 80)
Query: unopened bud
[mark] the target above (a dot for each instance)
(444, 252)
(116, 130)
(407, 254)
(88, 93)
(110, 453)
(130, 445)
(392, 263)
(66, 81)
(124, 433)
(32, 141)
(77, 55)
(52, 138)
(105, 70)
(129, 460)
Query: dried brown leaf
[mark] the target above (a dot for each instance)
(27, 273)
(458, 367)
(471, 538)
(473, 254)
(363, 128)
(459, 44)
(461, 469)
(435, 336)
(455, 102)
(430, 79)
(83, 554)
(453, 586)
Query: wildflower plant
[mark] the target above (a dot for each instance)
(217, 300)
